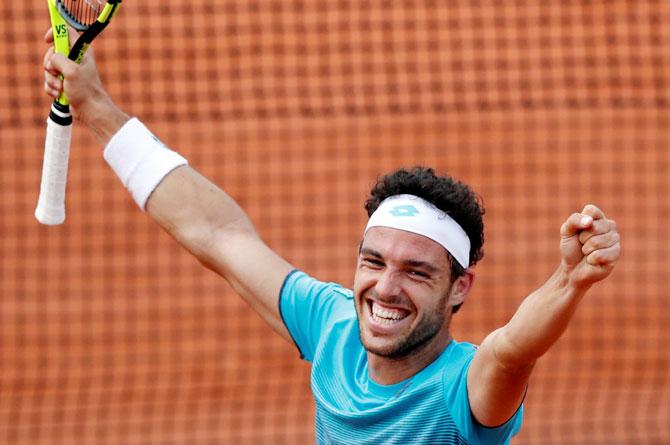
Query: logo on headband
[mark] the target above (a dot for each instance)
(404, 210)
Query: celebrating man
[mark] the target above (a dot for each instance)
(385, 368)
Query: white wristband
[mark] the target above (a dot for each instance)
(140, 160)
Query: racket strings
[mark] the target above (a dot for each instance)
(84, 12)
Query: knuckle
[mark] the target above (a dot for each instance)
(68, 70)
(73, 71)
(588, 249)
(585, 239)
(593, 211)
(598, 257)
(602, 226)
(596, 243)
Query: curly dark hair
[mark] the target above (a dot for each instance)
(449, 195)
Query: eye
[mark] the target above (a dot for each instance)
(418, 274)
(373, 262)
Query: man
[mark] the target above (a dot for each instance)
(385, 368)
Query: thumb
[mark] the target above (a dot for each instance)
(575, 224)
(571, 248)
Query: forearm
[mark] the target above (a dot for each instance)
(187, 205)
(539, 322)
(198, 214)
(499, 373)
(103, 118)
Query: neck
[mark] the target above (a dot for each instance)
(387, 371)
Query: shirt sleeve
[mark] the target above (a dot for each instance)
(456, 394)
(307, 306)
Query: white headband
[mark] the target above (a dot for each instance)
(416, 215)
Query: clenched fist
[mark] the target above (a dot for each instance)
(590, 246)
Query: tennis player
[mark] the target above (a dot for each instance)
(385, 368)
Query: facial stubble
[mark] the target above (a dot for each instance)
(427, 328)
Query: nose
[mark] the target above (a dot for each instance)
(387, 286)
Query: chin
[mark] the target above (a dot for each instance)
(388, 348)
(398, 347)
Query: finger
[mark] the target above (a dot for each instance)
(598, 227)
(603, 241)
(53, 81)
(52, 84)
(63, 65)
(49, 36)
(604, 257)
(593, 211)
(48, 66)
(52, 91)
(574, 224)
(72, 35)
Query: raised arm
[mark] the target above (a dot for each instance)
(501, 367)
(210, 224)
(197, 213)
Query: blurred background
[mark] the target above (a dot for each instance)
(110, 333)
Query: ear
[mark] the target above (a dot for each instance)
(461, 288)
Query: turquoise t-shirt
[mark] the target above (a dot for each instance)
(429, 408)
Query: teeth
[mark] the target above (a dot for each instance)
(386, 316)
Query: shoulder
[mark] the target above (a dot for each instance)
(455, 364)
(298, 282)
(303, 291)
(300, 286)
(310, 308)
(460, 352)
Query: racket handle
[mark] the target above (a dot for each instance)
(51, 202)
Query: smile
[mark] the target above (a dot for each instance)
(385, 315)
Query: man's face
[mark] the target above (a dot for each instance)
(402, 290)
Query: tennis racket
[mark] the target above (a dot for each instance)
(89, 17)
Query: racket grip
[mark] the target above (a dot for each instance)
(51, 202)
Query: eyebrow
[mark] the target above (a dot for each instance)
(413, 263)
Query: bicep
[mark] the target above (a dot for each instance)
(214, 228)
(255, 272)
(495, 391)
